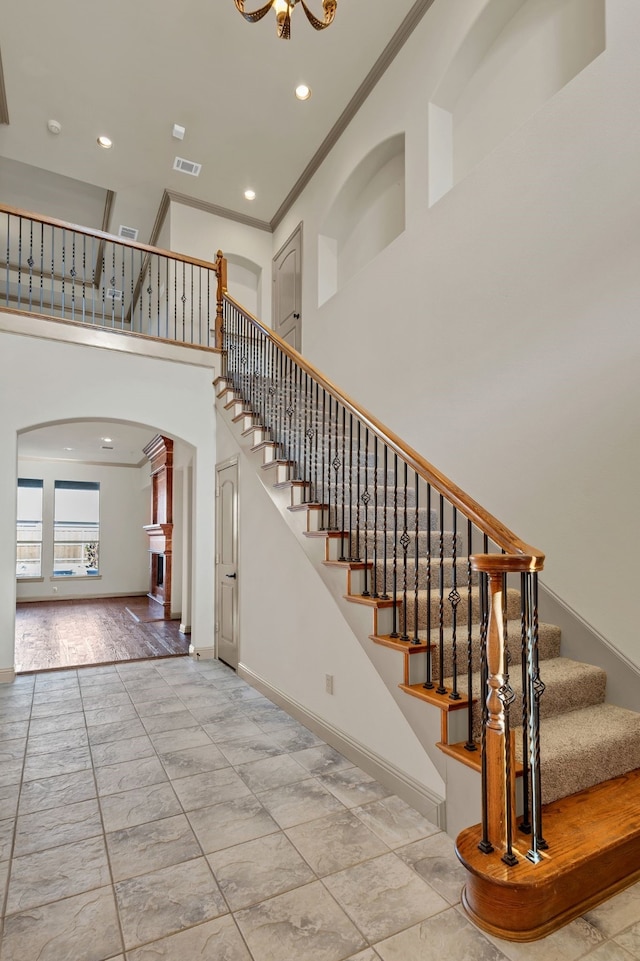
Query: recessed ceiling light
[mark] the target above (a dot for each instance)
(67, 448)
(107, 440)
(250, 194)
(105, 142)
(303, 92)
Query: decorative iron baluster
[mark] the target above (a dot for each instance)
(394, 560)
(385, 470)
(507, 697)
(525, 824)
(428, 684)
(536, 690)
(336, 469)
(404, 543)
(485, 844)
(30, 262)
(41, 269)
(441, 689)
(322, 439)
(64, 271)
(350, 492)
(366, 497)
(343, 556)
(122, 284)
(471, 744)
(8, 262)
(375, 591)
(356, 556)
(416, 560)
(454, 600)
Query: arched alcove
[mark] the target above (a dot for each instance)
(517, 55)
(244, 282)
(366, 215)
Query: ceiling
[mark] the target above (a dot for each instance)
(133, 70)
(105, 443)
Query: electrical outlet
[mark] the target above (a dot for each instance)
(328, 683)
(55, 590)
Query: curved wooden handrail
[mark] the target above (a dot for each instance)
(101, 235)
(486, 522)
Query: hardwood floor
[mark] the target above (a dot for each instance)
(76, 633)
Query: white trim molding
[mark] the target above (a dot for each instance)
(7, 675)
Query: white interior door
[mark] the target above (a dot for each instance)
(227, 562)
(287, 292)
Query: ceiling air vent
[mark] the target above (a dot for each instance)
(128, 233)
(187, 166)
(114, 293)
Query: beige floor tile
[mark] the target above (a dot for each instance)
(321, 760)
(56, 826)
(395, 822)
(50, 743)
(37, 766)
(570, 943)
(6, 837)
(434, 859)
(114, 752)
(81, 927)
(129, 808)
(193, 760)
(150, 846)
(271, 772)
(168, 742)
(128, 775)
(302, 801)
(164, 902)
(202, 790)
(242, 750)
(447, 937)
(54, 792)
(115, 731)
(217, 940)
(383, 896)
(630, 940)
(336, 842)
(224, 825)
(260, 869)
(301, 925)
(618, 913)
(57, 873)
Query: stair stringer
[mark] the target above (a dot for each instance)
(424, 719)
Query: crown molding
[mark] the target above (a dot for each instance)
(4, 106)
(224, 212)
(381, 65)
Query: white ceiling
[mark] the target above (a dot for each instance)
(87, 440)
(132, 70)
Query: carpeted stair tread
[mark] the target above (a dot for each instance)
(569, 686)
(586, 747)
(432, 599)
(548, 646)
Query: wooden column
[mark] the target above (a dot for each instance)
(160, 530)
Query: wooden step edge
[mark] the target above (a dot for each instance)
(441, 701)
(241, 416)
(220, 379)
(396, 644)
(472, 759)
(250, 430)
(263, 445)
(327, 535)
(276, 463)
(308, 507)
(282, 485)
(593, 852)
(376, 603)
(348, 565)
(232, 403)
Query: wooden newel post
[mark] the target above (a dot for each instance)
(221, 271)
(499, 762)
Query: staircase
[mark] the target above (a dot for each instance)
(455, 595)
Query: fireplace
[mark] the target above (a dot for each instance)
(160, 530)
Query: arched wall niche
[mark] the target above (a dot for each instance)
(366, 215)
(516, 57)
(244, 282)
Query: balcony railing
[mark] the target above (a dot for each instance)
(85, 276)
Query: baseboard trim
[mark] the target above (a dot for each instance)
(429, 804)
(202, 653)
(7, 675)
(53, 598)
(184, 628)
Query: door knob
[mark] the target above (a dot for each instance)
(231, 575)
(296, 316)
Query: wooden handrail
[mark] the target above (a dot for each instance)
(504, 538)
(101, 235)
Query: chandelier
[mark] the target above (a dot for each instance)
(283, 9)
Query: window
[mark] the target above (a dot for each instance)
(76, 528)
(29, 528)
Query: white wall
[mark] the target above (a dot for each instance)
(124, 506)
(499, 333)
(292, 633)
(175, 398)
(249, 250)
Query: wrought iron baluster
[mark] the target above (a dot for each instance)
(122, 286)
(72, 274)
(30, 262)
(53, 269)
(366, 497)
(470, 744)
(84, 278)
(350, 490)
(394, 562)
(41, 270)
(343, 555)
(454, 600)
(323, 438)
(485, 845)
(428, 684)
(385, 471)
(316, 410)
(8, 263)
(536, 690)
(191, 340)
(404, 543)
(333, 512)
(416, 558)
(525, 824)
(507, 697)
(375, 591)
(357, 504)
(441, 689)
(64, 271)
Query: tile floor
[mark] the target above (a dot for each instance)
(166, 811)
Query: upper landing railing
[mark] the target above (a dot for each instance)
(68, 272)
